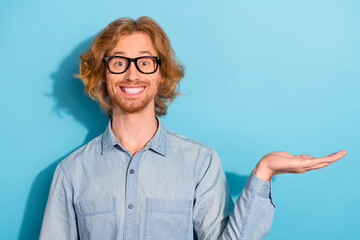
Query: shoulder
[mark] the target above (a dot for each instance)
(196, 153)
(180, 143)
(83, 154)
(174, 136)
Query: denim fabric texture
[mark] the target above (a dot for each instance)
(174, 188)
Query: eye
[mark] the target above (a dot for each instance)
(119, 64)
(144, 63)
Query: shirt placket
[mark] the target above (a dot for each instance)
(131, 195)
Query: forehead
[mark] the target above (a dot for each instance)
(134, 44)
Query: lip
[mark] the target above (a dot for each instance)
(134, 87)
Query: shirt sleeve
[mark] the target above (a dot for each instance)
(215, 216)
(59, 220)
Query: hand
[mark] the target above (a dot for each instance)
(283, 162)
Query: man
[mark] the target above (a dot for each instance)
(139, 180)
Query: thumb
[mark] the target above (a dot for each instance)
(306, 156)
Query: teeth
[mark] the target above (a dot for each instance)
(132, 90)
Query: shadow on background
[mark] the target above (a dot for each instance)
(236, 183)
(70, 98)
(36, 202)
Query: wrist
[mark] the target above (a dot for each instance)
(261, 171)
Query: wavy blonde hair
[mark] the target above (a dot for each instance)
(92, 69)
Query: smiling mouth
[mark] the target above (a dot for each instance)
(132, 90)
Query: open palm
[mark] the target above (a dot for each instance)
(283, 162)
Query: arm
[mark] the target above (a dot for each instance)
(59, 220)
(214, 215)
(253, 213)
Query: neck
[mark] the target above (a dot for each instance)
(134, 130)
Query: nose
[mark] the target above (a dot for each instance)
(132, 74)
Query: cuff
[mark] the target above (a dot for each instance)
(258, 187)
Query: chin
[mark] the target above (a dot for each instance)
(133, 108)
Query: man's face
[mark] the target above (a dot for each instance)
(133, 91)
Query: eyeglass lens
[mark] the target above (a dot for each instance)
(119, 64)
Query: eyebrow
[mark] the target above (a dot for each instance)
(141, 52)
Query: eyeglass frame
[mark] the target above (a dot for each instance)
(108, 58)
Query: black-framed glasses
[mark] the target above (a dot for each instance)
(120, 64)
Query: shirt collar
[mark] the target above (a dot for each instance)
(157, 143)
(108, 139)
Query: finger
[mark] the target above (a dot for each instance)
(322, 165)
(335, 156)
(310, 163)
(306, 156)
(323, 161)
(319, 166)
(281, 153)
(339, 154)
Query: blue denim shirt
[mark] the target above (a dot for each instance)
(174, 188)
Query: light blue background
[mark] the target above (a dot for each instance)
(260, 76)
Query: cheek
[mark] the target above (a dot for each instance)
(111, 87)
(157, 80)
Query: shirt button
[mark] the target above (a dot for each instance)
(132, 171)
(130, 206)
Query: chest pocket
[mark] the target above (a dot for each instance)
(97, 219)
(167, 219)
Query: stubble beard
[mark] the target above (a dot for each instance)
(128, 105)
